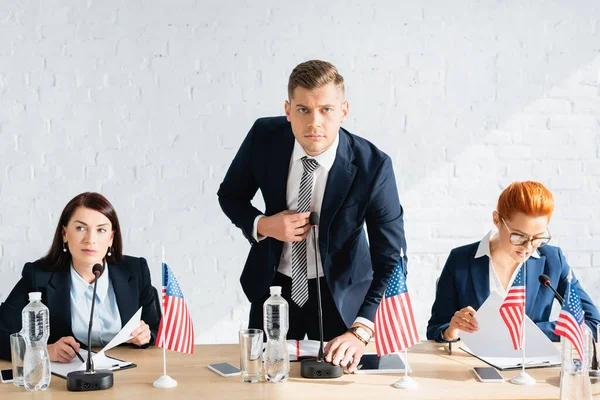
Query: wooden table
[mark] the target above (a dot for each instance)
(439, 375)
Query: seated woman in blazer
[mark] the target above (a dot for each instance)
(88, 233)
(473, 271)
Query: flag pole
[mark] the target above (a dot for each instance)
(162, 338)
(523, 378)
(406, 382)
(165, 381)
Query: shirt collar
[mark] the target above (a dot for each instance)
(325, 159)
(79, 286)
(484, 247)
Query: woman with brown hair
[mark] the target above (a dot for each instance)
(88, 233)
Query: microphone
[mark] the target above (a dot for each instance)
(318, 368)
(545, 281)
(90, 379)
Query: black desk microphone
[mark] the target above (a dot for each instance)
(318, 368)
(90, 379)
(545, 281)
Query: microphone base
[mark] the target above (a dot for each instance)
(81, 381)
(316, 369)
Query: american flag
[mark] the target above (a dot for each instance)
(570, 320)
(176, 330)
(395, 327)
(512, 310)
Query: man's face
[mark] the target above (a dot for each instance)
(316, 116)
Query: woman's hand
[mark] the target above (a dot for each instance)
(463, 320)
(141, 335)
(63, 350)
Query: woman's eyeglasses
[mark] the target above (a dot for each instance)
(517, 239)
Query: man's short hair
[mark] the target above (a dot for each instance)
(314, 74)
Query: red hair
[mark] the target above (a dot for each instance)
(530, 198)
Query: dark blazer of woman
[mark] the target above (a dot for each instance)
(465, 281)
(130, 279)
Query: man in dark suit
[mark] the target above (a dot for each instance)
(306, 162)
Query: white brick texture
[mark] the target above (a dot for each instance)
(148, 102)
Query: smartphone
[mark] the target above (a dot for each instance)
(224, 369)
(487, 374)
(6, 375)
(388, 364)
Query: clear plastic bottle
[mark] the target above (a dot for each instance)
(276, 323)
(36, 329)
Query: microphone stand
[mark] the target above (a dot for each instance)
(319, 368)
(90, 379)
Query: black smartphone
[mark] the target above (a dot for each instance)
(487, 374)
(224, 369)
(6, 375)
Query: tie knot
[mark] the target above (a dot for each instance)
(309, 164)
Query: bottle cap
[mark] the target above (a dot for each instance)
(35, 296)
(275, 290)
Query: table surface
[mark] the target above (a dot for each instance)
(438, 374)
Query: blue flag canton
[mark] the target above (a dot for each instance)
(397, 283)
(572, 305)
(169, 281)
(519, 281)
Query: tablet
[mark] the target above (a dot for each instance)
(388, 364)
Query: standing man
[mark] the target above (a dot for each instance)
(306, 162)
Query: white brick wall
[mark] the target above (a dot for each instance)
(148, 101)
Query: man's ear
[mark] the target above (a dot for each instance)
(288, 109)
(345, 111)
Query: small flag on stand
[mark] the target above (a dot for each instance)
(395, 327)
(176, 330)
(512, 310)
(571, 320)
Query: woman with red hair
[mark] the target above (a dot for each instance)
(473, 271)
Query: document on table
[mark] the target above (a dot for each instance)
(101, 360)
(493, 345)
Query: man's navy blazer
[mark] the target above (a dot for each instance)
(361, 187)
(465, 281)
(130, 280)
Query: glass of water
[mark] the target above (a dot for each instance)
(17, 352)
(251, 349)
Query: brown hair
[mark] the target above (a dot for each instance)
(314, 74)
(57, 259)
(530, 198)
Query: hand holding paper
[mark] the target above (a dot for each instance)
(125, 334)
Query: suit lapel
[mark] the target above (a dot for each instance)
(58, 293)
(533, 268)
(278, 169)
(339, 180)
(480, 277)
(125, 291)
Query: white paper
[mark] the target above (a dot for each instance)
(125, 332)
(492, 341)
(101, 361)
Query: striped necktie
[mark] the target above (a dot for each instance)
(299, 261)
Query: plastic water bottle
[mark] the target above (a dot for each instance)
(276, 323)
(36, 329)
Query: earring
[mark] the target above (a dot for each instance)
(64, 247)
(109, 253)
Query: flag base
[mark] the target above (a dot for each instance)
(165, 382)
(406, 382)
(522, 378)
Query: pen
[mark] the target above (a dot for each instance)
(77, 354)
